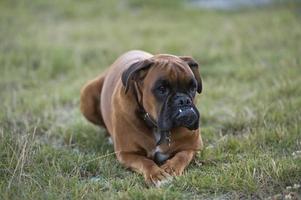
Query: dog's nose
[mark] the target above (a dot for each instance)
(183, 100)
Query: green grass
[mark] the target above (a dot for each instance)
(250, 107)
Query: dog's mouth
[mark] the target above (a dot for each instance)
(172, 116)
(181, 117)
(187, 117)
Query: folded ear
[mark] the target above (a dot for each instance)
(133, 73)
(194, 66)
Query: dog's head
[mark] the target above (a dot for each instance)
(166, 86)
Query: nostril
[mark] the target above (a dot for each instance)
(184, 102)
(181, 102)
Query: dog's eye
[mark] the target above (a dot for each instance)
(192, 87)
(162, 89)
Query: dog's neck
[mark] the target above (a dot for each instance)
(148, 119)
(161, 136)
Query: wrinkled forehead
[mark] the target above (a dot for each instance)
(170, 68)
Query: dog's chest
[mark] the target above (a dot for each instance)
(160, 153)
(159, 156)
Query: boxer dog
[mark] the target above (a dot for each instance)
(147, 105)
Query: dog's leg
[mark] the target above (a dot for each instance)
(150, 170)
(90, 100)
(176, 165)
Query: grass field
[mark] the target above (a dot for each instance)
(250, 107)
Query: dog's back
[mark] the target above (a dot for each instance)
(96, 95)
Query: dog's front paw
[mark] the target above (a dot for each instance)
(172, 168)
(157, 177)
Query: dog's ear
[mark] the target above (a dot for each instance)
(134, 72)
(194, 66)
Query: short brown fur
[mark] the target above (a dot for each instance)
(105, 103)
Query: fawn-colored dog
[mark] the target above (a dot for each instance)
(147, 104)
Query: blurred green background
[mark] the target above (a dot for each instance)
(250, 108)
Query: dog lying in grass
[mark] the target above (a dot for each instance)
(147, 104)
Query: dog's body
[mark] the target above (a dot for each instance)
(154, 128)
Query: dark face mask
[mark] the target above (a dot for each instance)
(177, 110)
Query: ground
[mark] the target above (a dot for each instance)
(250, 106)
